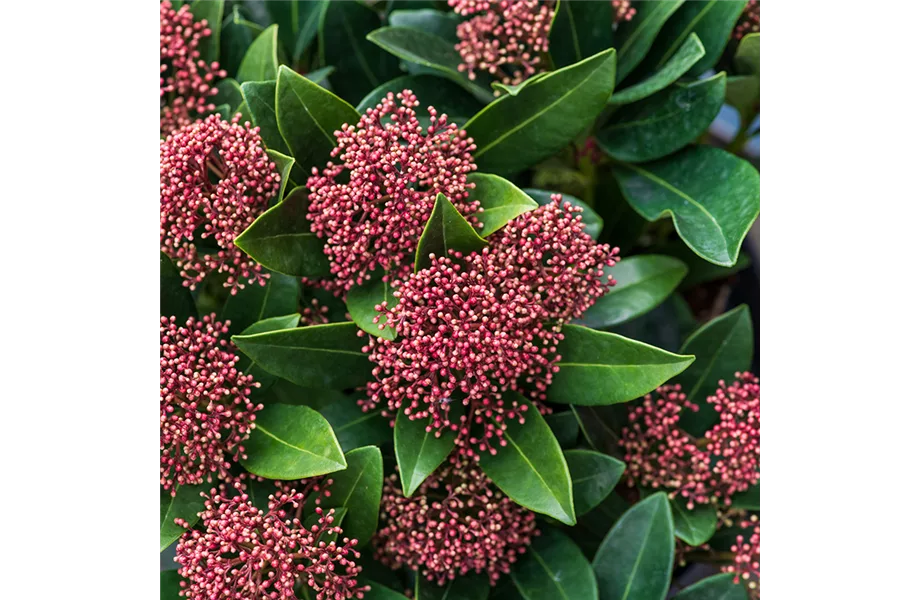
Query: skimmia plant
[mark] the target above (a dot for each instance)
(452, 300)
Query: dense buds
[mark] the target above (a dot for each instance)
(396, 168)
(725, 461)
(244, 552)
(456, 523)
(470, 328)
(186, 81)
(746, 563)
(503, 37)
(205, 411)
(623, 10)
(749, 21)
(215, 179)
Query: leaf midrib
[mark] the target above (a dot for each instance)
(632, 575)
(687, 30)
(290, 445)
(537, 473)
(711, 363)
(307, 348)
(647, 21)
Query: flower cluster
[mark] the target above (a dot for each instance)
(396, 168)
(503, 37)
(215, 179)
(470, 328)
(623, 10)
(186, 81)
(457, 522)
(723, 462)
(244, 552)
(749, 21)
(746, 565)
(205, 410)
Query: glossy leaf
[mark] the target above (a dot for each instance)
(665, 122)
(592, 527)
(579, 30)
(260, 62)
(359, 488)
(308, 116)
(381, 592)
(500, 200)
(308, 19)
(712, 196)
(465, 587)
(693, 526)
(634, 38)
(283, 164)
(260, 100)
(516, 132)
(592, 221)
(279, 296)
(606, 368)
(723, 347)
(186, 504)
(175, 299)
(717, 587)
(281, 240)
(634, 561)
(236, 37)
(273, 324)
(747, 56)
(444, 95)
(436, 22)
(594, 476)
(531, 469)
(362, 299)
(211, 11)
(514, 90)
(292, 442)
(446, 230)
(320, 356)
(643, 282)
(169, 585)
(554, 569)
(353, 427)
(686, 56)
(420, 452)
(565, 427)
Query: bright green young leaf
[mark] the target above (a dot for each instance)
(444, 95)
(634, 561)
(747, 56)
(554, 569)
(634, 37)
(283, 163)
(353, 427)
(531, 469)
(359, 488)
(261, 60)
(565, 427)
(362, 299)
(712, 196)
(606, 368)
(594, 476)
(175, 298)
(211, 11)
(693, 526)
(592, 221)
(420, 452)
(717, 587)
(516, 132)
(186, 504)
(446, 230)
(292, 442)
(436, 22)
(500, 200)
(169, 585)
(281, 240)
(279, 296)
(579, 30)
(466, 587)
(273, 324)
(686, 56)
(643, 282)
(320, 356)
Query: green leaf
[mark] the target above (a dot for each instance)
(634, 561)
(321, 356)
(228, 92)
(747, 56)
(175, 299)
(664, 122)
(579, 30)
(420, 452)
(743, 92)
(291, 442)
(700, 269)
(236, 38)
(712, 20)
(359, 64)
(308, 116)
(186, 504)
(260, 99)
(748, 499)
(273, 324)
(500, 200)
(693, 526)
(261, 60)
(606, 368)
(515, 132)
(440, 24)
(565, 427)
(284, 164)
(444, 95)
(602, 426)
(257, 302)
(380, 592)
(717, 587)
(213, 12)
(643, 282)
(353, 427)
(308, 19)
(446, 230)
(531, 469)
(281, 240)
(169, 585)
(359, 488)
(723, 347)
(465, 587)
(362, 299)
(712, 196)
(686, 56)
(592, 221)
(514, 90)
(554, 569)
(634, 38)
(593, 526)
(320, 75)
(594, 476)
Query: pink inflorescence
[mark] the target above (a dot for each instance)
(205, 410)
(746, 565)
(469, 328)
(215, 179)
(186, 80)
(723, 462)
(456, 523)
(244, 552)
(396, 168)
(623, 10)
(503, 37)
(749, 21)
